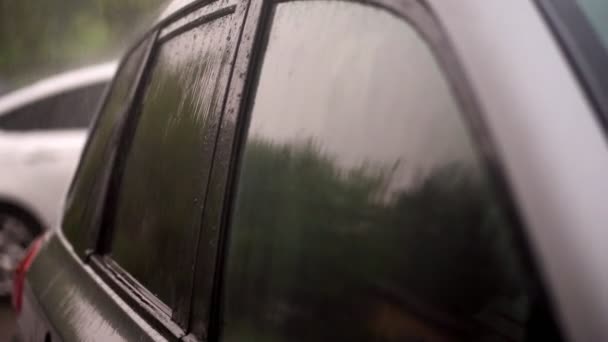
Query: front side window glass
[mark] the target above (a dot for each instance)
(97, 154)
(161, 194)
(69, 110)
(362, 210)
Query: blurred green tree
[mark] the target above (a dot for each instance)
(38, 38)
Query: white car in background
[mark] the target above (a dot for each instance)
(43, 128)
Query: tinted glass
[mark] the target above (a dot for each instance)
(161, 196)
(72, 109)
(596, 12)
(96, 158)
(362, 211)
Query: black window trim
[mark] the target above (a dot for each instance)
(420, 15)
(97, 207)
(94, 233)
(156, 312)
(210, 234)
(104, 239)
(203, 19)
(136, 296)
(97, 229)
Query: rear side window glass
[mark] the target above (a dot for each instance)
(362, 210)
(87, 185)
(69, 110)
(161, 193)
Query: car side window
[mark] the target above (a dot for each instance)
(86, 189)
(362, 210)
(71, 109)
(161, 189)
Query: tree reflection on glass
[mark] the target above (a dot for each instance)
(362, 211)
(319, 252)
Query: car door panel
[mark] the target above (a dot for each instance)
(78, 305)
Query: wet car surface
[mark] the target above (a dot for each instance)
(331, 170)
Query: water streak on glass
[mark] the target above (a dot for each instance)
(362, 212)
(159, 205)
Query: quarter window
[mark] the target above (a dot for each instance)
(86, 190)
(362, 210)
(160, 198)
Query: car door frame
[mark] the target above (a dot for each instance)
(171, 323)
(96, 201)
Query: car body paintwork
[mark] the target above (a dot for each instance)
(76, 302)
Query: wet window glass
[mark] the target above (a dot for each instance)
(362, 210)
(70, 110)
(161, 195)
(86, 186)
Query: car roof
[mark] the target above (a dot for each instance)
(57, 84)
